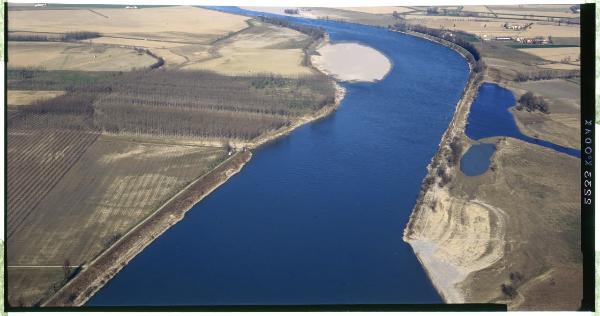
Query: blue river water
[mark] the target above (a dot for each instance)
(315, 217)
(476, 160)
(490, 116)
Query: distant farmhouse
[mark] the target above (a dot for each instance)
(131, 7)
(535, 40)
(538, 40)
(40, 5)
(291, 11)
(517, 27)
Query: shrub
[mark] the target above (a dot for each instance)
(532, 103)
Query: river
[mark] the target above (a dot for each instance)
(315, 217)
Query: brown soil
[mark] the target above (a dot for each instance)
(98, 272)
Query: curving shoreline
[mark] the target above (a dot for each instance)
(89, 281)
(353, 62)
(104, 267)
(437, 267)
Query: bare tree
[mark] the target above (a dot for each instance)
(67, 269)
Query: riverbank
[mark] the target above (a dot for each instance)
(97, 273)
(340, 92)
(505, 236)
(83, 286)
(432, 199)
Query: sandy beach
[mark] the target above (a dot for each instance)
(281, 11)
(351, 62)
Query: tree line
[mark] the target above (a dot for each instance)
(531, 103)
(454, 37)
(312, 31)
(547, 74)
(207, 105)
(189, 104)
(64, 37)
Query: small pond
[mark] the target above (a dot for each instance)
(476, 160)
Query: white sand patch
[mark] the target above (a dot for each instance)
(302, 12)
(352, 62)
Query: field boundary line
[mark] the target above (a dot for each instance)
(184, 189)
(133, 229)
(40, 266)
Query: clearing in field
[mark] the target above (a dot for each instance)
(75, 56)
(184, 37)
(180, 23)
(556, 54)
(378, 10)
(536, 9)
(490, 28)
(177, 34)
(26, 97)
(262, 48)
(562, 125)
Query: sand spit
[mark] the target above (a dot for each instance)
(351, 62)
(453, 237)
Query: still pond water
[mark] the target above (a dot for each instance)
(490, 116)
(476, 160)
(315, 217)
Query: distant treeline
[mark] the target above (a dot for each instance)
(531, 103)
(64, 37)
(207, 105)
(169, 103)
(72, 111)
(312, 31)
(547, 74)
(454, 37)
(315, 33)
(159, 60)
(39, 79)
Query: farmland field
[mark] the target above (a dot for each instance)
(74, 56)
(555, 54)
(111, 187)
(99, 138)
(87, 166)
(262, 48)
(171, 23)
(543, 10)
(378, 10)
(494, 27)
(24, 97)
(184, 37)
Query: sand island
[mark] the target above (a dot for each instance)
(352, 62)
